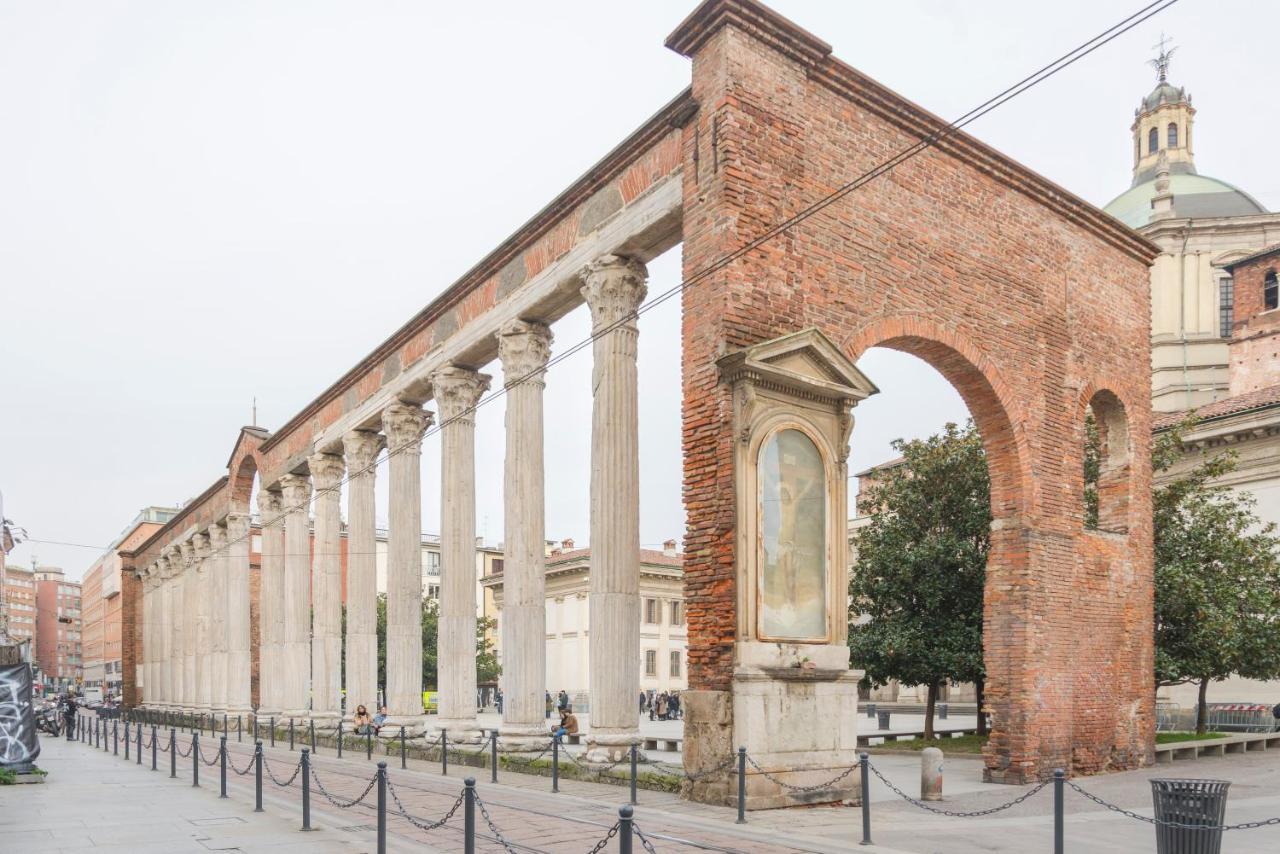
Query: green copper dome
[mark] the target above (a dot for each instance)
(1194, 197)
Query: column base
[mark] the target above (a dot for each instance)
(461, 730)
(326, 723)
(609, 747)
(523, 738)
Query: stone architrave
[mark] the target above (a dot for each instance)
(218, 619)
(270, 604)
(295, 647)
(190, 610)
(404, 425)
(456, 390)
(613, 288)
(326, 592)
(200, 544)
(524, 347)
(239, 663)
(361, 448)
(175, 615)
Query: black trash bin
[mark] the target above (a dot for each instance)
(871, 710)
(942, 711)
(1191, 805)
(883, 719)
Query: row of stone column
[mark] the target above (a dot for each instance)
(300, 616)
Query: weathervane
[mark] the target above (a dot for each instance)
(1161, 62)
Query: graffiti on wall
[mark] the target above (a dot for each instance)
(19, 745)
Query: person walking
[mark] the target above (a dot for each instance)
(69, 708)
(562, 700)
(643, 700)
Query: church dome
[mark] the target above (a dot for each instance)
(1194, 197)
(1164, 93)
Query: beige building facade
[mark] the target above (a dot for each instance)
(662, 629)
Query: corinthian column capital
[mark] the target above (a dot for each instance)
(187, 552)
(237, 526)
(524, 347)
(200, 548)
(217, 538)
(614, 287)
(404, 425)
(269, 502)
(362, 448)
(296, 489)
(326, 470)
(456, 390)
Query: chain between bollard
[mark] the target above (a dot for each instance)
(297, 769)
(952, 813)
(419, 823)
(346, 804)
(1247, 825)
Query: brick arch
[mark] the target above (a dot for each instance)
(994, 408)
(243, 468)
(1115, 427)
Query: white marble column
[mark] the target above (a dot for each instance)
(456, 390)
(175, 628)
(218, 620)
(203, 650)
(295, 648)
(614, 287)
(270, 605)
(326, 592)
(164, 640)
(404, 425)
(239, 663)
(361, 449)
(524, 347)
(190, 613)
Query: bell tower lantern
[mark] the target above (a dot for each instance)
(1162, 125)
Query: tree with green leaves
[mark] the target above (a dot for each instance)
(1217, 576)
(916, 588)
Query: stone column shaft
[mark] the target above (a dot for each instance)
(204, 608)
(295, 648)
(270, 605)
(190, 612)
(218, 620)
(164, 643)
(614, 288)
(326, 592)
(524, 347)
(404, 426)
(361, 449)
(175, 629)
(456, 390)
(239, 664)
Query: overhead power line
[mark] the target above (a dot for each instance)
(930, 140)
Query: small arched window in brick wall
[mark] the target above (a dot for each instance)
(1108, 463)
(1270, 291)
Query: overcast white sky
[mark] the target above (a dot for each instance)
(201, 203)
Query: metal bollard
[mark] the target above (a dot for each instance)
(625, 831)
(138, 753)
(273, 730)
(555, 764)
(255, 726)
(239, 728)
(382, 808)
(1059, 778)
(742, 785)
(339, 739)
(865, 762)
(153, 747)
(126, 740)
(633, 772)
(115, 737)
(311, 728)
(469, 816)
(444, 752)
(291, 733)
(173, 753)
(225, 729)
(195, 759)
(222, 769)
(306, 789)
(368, 743)
(402, 752)
(493, 756)
(257, 777)
(931, 774)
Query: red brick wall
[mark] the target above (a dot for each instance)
(130, 634)
(1255, 333)
(1026, 299)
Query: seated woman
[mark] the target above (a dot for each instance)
(363, 723)
(568, 724)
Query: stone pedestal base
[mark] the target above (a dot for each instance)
(798, 724)
(414, 726)
(461, 730)
(522, 738)
(326, 723)
(606, 748)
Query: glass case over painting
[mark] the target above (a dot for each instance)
(793, 538)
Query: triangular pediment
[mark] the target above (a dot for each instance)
(806, 358)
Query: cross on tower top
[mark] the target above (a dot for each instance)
(1161, 62)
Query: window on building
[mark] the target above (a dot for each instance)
(1153, 141)
(1226, 306)
(651, 613)
(675, 664)
(433, 563)
(1173, 135)
(677, 612)
(433, 591)
(651, 662)
(498, 565)
(1270, 293)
